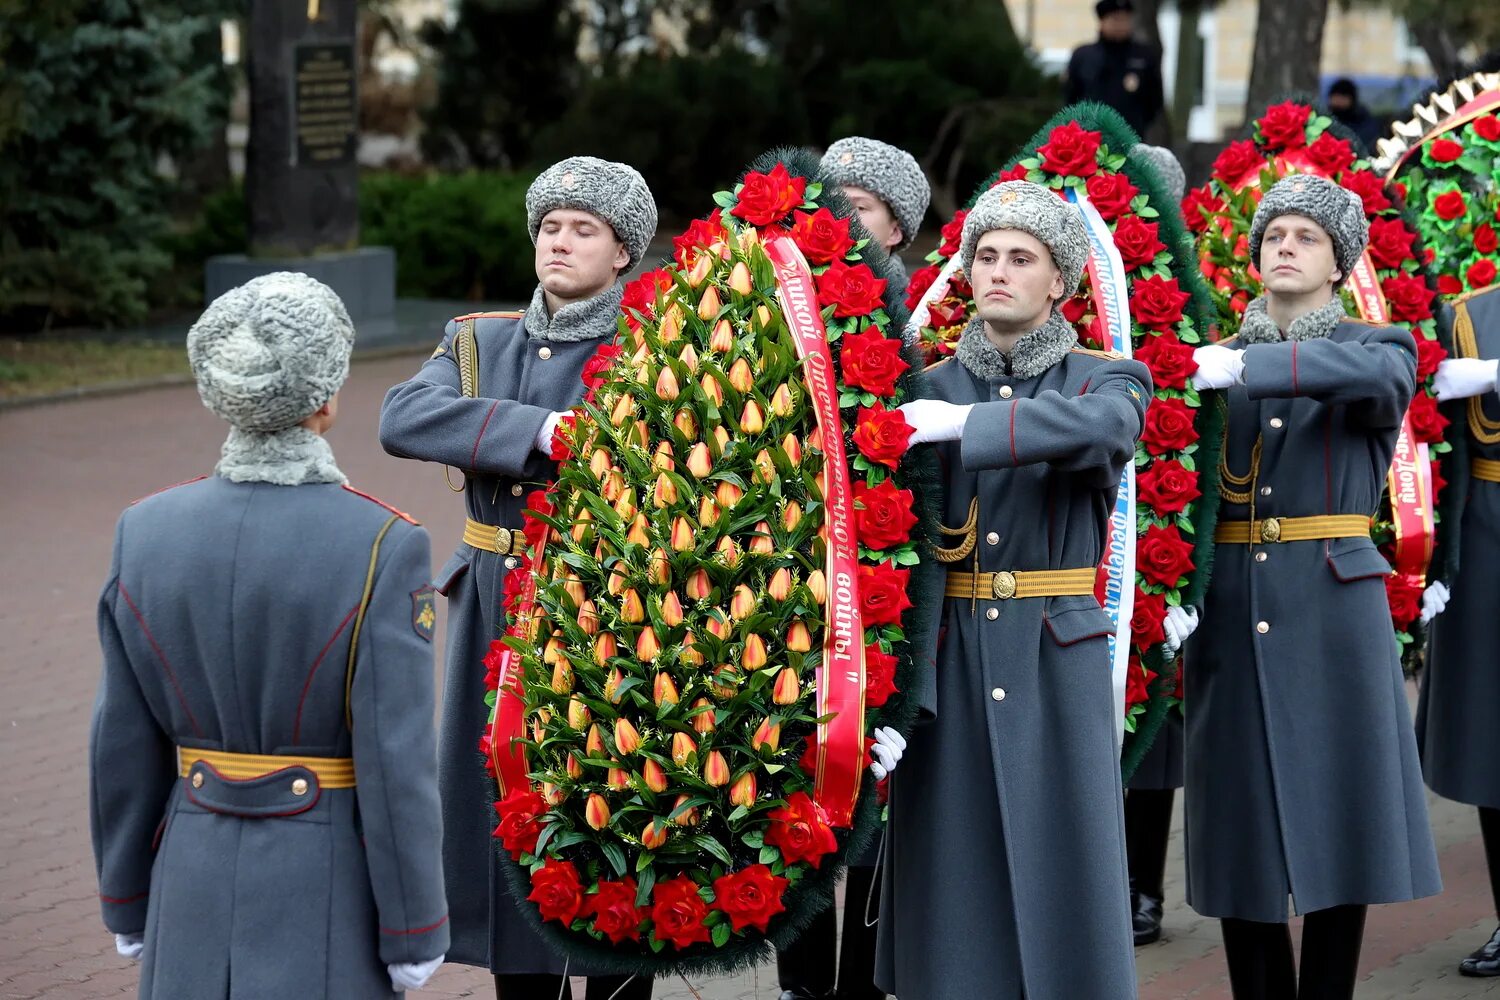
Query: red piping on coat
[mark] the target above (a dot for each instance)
(1014, 458)
(307, 684)
(417, 930)
(127, 899)
(474, 455)
(160, 656)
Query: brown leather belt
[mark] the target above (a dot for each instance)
(1270, 530)
(492, 538)
(1008, 586)
(1485, 468)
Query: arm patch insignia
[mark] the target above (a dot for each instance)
(424, 611)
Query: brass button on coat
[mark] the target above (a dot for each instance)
(1262, 627)
(1260, 557)
(1006, 392)
(299, 786)
(511, 562)
(544, 353)
(197, 779)
(998, 694)
(1265, 491)
(1276, 422)
(993, 538)
(516, 490)
(992, 613)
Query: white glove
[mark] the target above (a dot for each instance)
(1218, 367)
(889, 745)
(1180, 623)
(544, 436)
(413, 975)
(130, 945)
(935, 420)
(1434, 599)
(1460, 378)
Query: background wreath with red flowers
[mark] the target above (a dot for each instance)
(670, 632)
(1293, 137)
(1177, 457)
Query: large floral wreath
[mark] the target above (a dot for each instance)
(1292, 137)
(1087, 147)
(680, 805)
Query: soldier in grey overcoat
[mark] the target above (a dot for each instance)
(263, 786)
(1005, 850)
(1456, 732)
(486, 403)
(1302, 777)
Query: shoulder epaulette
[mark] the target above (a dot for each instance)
(1361, 321)
(376, 500)
(164, 489)
(1227, 340)
(1473, 293)
(938, 364)
(502, 314)
(1106, 355)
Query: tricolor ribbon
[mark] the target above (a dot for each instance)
(841, 672)
(1111, 297)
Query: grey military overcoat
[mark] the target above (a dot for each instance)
(1301, 770)
(522, 379)
(1005, 852)
(226, 625)
(1456, 719)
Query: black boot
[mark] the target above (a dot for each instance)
(1145, 917)
(1331, 941)
(1148, 822)
(1485, 961)
(1259, 956)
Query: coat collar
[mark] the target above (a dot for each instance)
(293, 457)
(1033, 354)
(1258, 328)
(590, 319)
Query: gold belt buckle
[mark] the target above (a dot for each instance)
(502, 541)
(1270, 529)
(1005, 586)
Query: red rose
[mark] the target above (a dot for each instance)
(1071, 151)
(1198, 205)
(1449, 285)
(1370, 188)
(1450, 205)
(614, 911)
(556, 891)
(1331, 155)
(1169, 426)
(946, 313)
(702, 234)
(492, 671)
(851, 290)
(1409, 298)
(1405, 599)
(639, 301)
(1284, 126)
(959, 287)
(1390, 242)
(596, 367)
(751, 897)
(1427, 422)
(1487, 127)
(1111, 194)
(872, 361)
(767, 198)
(1167, 487)
(1238, 159)
(882, 593)
(1480, 273)
(880, 676)
(534, 529)
(1445, 151)
(821, 235)
(1147, 619)
(1138, 683)
(1163, 556)
(882, 515)
(1156, 303)
(1485, 240)
(882, 435)
(562, 437)
(1429, 354)
(800, 832)
(919, 283)
(953, 234)
(1137, 241)
(1076, 308)
(511, 591)
(1170, 360)
(1015, 173)
(677, 912)
(520, 820)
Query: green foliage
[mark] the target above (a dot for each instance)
(95, 97)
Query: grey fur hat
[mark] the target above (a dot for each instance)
(1340, 212)
(1167, 167)
(890, 173)
(615, 192)
(269, 353)
(1032, 209)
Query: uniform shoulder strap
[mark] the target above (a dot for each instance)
(1106, 355)
(359, 619)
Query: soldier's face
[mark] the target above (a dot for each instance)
(1015, 280)
(577, 254)
(1296, 257)
(1117, 26)
(875, 215)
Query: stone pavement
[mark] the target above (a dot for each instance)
(69, 469)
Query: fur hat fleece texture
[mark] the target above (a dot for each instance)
(884, 170)
(1168, 168)
(1032, 209)
(271, 352)
(1338, 211)
(615, 192)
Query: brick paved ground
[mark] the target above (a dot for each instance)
(68, 469)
